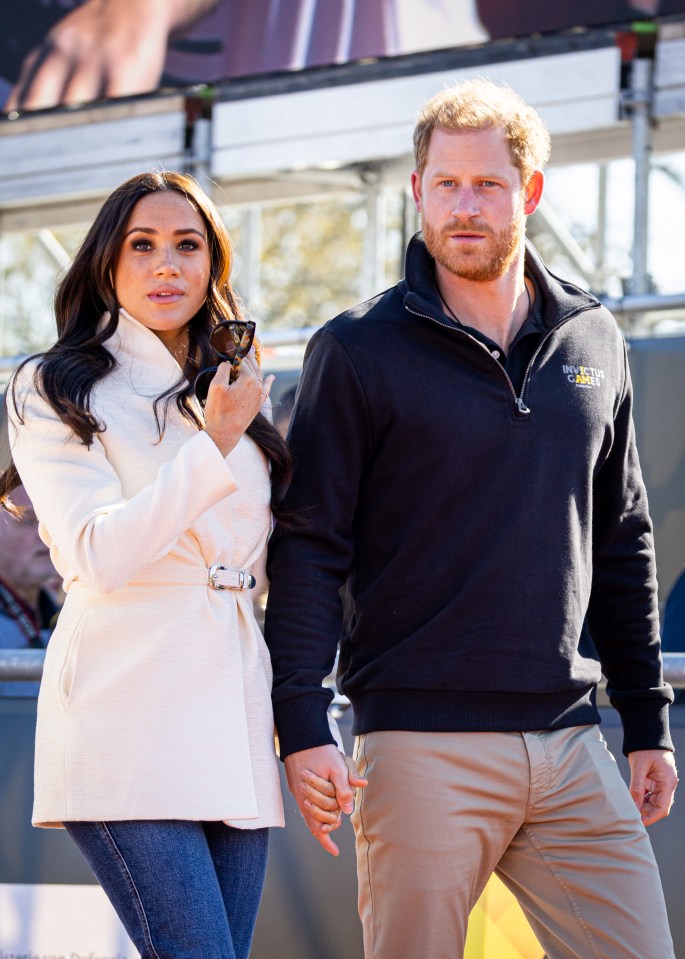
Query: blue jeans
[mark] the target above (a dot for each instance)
(183, 890)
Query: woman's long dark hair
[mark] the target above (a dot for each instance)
(68, 371)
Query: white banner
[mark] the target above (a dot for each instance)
(60, 922)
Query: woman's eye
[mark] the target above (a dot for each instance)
(141, 245)
(188, 245)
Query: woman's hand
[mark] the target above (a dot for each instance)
(229, 410)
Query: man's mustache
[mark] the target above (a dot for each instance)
(457, 226)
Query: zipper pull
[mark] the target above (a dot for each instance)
(521, 406)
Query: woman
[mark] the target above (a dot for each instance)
(155, 731)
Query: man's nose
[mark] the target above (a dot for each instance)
(465, 203)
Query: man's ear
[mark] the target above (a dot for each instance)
(416, 189)
(533, 191)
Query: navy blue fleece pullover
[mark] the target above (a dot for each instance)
(477, 549)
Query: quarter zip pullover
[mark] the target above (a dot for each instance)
(476, 547)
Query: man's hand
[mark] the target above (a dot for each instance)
(653, 778)
(323, 782)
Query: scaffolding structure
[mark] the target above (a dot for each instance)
(347, 129)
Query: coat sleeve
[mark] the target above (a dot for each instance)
(105, 539)
(330, 439)
(623, 614)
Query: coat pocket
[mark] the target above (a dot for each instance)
(68, 672)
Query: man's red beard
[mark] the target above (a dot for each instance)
(487, 259)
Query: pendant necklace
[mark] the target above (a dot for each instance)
(450, 311)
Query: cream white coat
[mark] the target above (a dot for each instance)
(155, 699)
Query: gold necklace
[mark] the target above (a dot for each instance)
(180, 353)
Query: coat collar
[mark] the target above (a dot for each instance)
(137, 348)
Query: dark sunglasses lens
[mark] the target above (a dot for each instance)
(222, 341)
(202, 382)
(230, 339)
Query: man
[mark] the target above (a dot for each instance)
(466, 470)
(28, 587)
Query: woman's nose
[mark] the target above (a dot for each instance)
(166, 262)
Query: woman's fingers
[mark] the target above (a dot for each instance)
(250, 383)
(330, 819)
(324, 786)
(328, 804)
(320, 800)
(251, 363)
(231, 407)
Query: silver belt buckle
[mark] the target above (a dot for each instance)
(214, 570)
(244, 580)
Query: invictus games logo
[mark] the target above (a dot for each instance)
(584, 376)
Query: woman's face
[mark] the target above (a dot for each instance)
(162, 271)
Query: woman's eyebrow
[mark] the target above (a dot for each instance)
(152, 230)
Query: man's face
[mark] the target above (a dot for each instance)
(472, 203)
(24, 559)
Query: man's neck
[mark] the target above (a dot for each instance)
(497, 308)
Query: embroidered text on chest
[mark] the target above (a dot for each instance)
(584, 376)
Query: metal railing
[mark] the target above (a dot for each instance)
(299, 336)
(27, 664)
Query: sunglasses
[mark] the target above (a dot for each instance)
(231, 340)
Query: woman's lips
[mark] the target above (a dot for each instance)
(165, 295)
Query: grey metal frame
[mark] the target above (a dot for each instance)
(27, 664)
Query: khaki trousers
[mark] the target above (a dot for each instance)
(547, 811)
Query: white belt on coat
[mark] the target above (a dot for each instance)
(177, 574)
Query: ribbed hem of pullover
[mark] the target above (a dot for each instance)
(302, 721)
(427, 711)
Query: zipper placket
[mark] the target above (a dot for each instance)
(523, 407)
(518, 400)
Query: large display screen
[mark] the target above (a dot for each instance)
(62, 52)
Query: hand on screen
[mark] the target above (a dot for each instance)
(104, 48)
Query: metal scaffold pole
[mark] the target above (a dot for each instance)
(641, 104)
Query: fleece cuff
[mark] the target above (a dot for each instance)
(645, 721)
(302, 722)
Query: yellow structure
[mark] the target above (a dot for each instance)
(498, 929)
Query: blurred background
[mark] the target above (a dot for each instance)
(296, 116)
